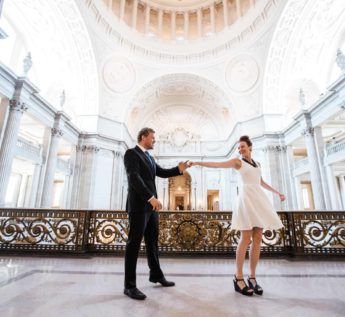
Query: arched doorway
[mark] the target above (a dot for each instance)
(180, 192)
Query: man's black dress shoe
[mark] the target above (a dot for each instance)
(134, 293)
(162, 281)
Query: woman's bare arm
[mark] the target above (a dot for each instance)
(233, 163)
(271, 189)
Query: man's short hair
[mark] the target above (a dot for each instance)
(144, 132)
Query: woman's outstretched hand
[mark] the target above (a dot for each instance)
(281, 196)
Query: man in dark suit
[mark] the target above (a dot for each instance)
(142, 206)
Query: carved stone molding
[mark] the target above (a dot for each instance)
(118, 74)
(177, 140)
(308, 132)
(140, 45)
(340, 60)
(118, 154)
(56, 132)
(242, 73)
(303, 25)
(59, 27)
(16, 105)
(88, 148)
(275, 148)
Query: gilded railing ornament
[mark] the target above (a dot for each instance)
(207, 232)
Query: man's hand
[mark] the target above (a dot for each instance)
(156, 204)
(182, 166)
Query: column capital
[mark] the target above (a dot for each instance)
(340, 60)
(342, 105)
(275, 148)
(88, 148)
(17, 105)
(308, 131)
(118, 154)
(56, 132)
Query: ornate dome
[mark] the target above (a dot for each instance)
(179, 19)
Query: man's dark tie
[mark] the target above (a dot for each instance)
(150, 159)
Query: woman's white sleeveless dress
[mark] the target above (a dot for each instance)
(254, 209)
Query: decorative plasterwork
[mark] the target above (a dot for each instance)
(180, 5)
(182, 101)
(242, 73)
(303, 49)
(118, 74)
(247, 28)
(62, 54)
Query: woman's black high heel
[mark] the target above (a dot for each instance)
(257, 288)
(245, 290)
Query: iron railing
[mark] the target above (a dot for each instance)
(305, 233)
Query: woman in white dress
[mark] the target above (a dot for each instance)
(253, 214)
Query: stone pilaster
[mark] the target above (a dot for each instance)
(333, 189)
(274, 155)
(34, 186)
(290, 189)
(117, 180)
(315, 174)
(88, 164)
(320, 149)
(17, 108)
(342, 190)
(47, 191)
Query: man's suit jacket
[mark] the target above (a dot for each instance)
(141, 174)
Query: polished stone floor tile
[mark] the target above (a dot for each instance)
(76, 287)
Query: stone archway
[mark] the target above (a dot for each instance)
(180, 191)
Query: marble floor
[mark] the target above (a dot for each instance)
(73, 287)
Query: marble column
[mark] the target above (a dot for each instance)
(86, 190)
(70, 177)
(165, 195)
(160, 22)
(4, 107)
(134, 14)
(45, 151)
(66, 190)
(320, 149)
(17, 108)
(275, 168)
(342, 190)
(290, 190)
(225, 13)
(298, 189)
(77, 163)
(117, 180)
(34, 186)
(48, 183)
(23, 190)
(124, 191)
(1, 4)
(333, 189)
(173, 25)
(147, 19)
(315, 174)
(212, 19)
(2, 33)
(186, 25)
(238, 9)
(199, 21)
(122, 9)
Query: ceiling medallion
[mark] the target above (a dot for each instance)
(242, 73)
(118, 74)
